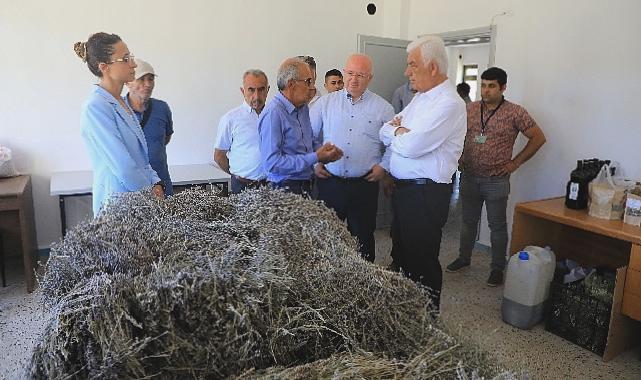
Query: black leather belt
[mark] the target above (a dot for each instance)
(251, 182)
(351, 179)
(348, 179)
(293, 182)
(413, 181)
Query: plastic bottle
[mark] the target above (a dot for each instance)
(527, 284)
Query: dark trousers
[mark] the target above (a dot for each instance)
(300, 187)
(356, 200)
(420, 212)
(238, 185)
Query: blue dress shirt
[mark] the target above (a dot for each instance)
(354, 128)
(287, 147)
(156, 130)
(116, 146)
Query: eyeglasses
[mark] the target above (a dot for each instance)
(126, 59)
(353, 74)
(307, 81)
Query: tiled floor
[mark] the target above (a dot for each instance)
(468, 304)
(474, 308)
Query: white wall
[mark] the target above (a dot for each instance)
(573, 65)
(199, 49)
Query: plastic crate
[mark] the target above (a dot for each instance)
(575, 315)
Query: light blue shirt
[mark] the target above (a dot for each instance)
(354, 128)
(402, 97)
(238, 135)
(287, 148)
(116, 146)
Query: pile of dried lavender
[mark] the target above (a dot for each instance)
(204, 286)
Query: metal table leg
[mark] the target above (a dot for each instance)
(63, 216)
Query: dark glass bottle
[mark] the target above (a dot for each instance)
(576, 191)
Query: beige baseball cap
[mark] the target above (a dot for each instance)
(143, 68)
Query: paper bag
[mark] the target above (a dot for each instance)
(632, 210)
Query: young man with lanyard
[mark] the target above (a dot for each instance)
(155, 119)
(486, 164)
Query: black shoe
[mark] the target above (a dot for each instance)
(496, 278)
(457, 265)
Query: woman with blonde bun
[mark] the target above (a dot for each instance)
(111, 131)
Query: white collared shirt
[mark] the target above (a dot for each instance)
(354, 128)
(238, 135)
(437, 121)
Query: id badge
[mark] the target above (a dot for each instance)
(480, 139)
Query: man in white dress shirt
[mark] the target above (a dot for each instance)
(237, 149)
(426, 140)
(351, 119)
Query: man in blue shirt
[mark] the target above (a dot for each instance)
(351, 118)
(154, 117)
(287, 148)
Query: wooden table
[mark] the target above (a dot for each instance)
(79, 183)
(17, 221)
(590, 241)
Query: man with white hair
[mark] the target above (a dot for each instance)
(237, 149)
(287, 147)
(155, 119)
(426, 141)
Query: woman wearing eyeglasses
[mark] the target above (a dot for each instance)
(111, 131)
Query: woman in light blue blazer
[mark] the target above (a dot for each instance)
(111, 131)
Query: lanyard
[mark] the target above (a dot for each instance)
(485, 121)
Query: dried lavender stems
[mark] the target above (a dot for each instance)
(264, 284)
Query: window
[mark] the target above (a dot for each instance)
(470, 76)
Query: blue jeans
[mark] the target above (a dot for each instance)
(494, 191)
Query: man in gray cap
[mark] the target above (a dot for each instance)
(155, 119)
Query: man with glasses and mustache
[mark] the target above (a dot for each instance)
(351, 118)
(155, 120)
(237, 149)
(287, 147)
(313, 91)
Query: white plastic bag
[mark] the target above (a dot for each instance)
(607, 198)
(6, 163)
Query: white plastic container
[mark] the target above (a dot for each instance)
(549, 262)
(527, 285)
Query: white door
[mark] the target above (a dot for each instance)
(389, 60)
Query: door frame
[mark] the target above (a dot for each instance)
(465, 34)
(363, 40)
